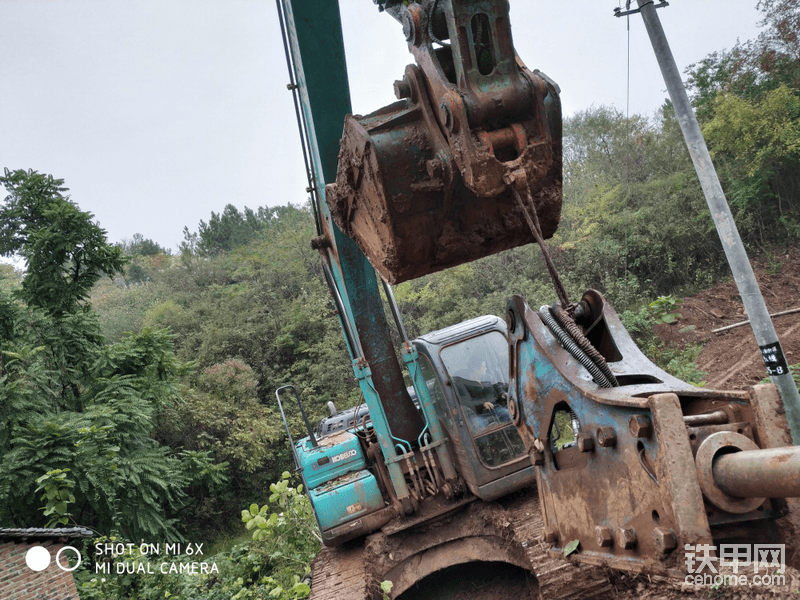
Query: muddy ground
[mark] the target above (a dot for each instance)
(731, 360)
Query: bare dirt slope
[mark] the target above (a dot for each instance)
(732, 358)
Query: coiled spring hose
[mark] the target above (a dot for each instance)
(575, 351)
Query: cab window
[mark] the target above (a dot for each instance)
(435, 391)
(478, 369)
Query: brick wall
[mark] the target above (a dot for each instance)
(19, 582)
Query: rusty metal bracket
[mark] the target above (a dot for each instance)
(618, 12)
(639, 480)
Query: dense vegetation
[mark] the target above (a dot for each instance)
(137, 385)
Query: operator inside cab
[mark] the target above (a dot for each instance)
(483, 393)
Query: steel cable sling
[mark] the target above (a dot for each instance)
(559, 319)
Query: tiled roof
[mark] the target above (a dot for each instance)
(41, 533)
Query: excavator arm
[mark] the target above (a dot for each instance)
(421, 185)
(319, 73)
(467, 163)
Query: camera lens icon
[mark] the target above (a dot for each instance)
(38, 558)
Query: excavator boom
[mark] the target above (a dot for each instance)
(630, 464)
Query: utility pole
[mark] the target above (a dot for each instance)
(753, 301)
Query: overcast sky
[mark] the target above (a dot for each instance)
(158, 112)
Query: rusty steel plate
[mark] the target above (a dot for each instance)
(400, 192)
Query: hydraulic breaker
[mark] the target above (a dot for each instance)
(636, 467)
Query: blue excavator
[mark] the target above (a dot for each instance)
(545, 440)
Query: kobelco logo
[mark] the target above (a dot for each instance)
(343, 455)
(38, 558)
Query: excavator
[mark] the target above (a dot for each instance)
(545, 440)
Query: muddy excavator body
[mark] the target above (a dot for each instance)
(628, 471)
(520, 441)
(465, 372)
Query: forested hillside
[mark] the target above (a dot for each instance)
(137, 383)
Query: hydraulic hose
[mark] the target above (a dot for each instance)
(573, 348)
(577, 335)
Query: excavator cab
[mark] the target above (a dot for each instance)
(465, 368)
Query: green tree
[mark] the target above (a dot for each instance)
(221, 414)
(757, 145)
(260, 313)
(65, 250)
(145, 255)
(264, 303)
(10, 278)
(139, 245)
(285, 540)
(71, 402)
(747, 101)
(752, 68)
(227, 230)
(634, 223)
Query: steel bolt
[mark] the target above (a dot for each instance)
(319, 242)
(585, 442)
(435, 168)
(511, 321)
(664, 539)
(604, 536)
(448, 113)
(402, 89)
(537, 452)
(513, 411)
(626, 537)
(412, 24)
(640, 426)
(408, 27)
(550, 535)
(606, 437)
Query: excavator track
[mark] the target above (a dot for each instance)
(507, 531)
(558, 578)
